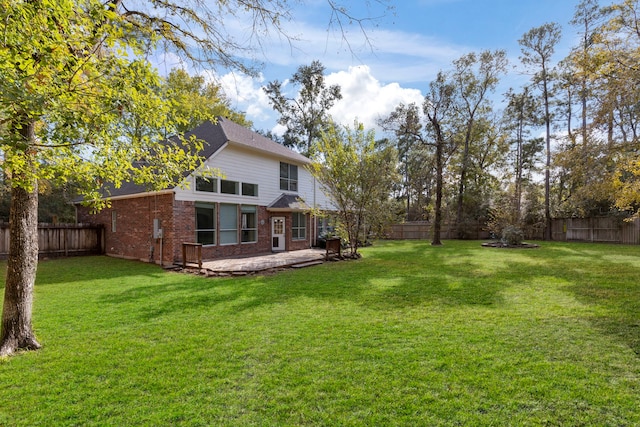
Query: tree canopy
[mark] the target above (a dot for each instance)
(358, 176)
(304, 114)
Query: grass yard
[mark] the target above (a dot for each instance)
(408, 335)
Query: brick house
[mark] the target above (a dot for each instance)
(261, 204)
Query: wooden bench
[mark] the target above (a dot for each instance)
(333, 246)
(191, 254)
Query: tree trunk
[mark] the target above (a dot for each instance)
(461, 189)
(437, 223)
(519, 166)
(17, 332)
(547, 172)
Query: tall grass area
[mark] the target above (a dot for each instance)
(408, 335)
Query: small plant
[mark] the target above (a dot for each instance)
(512, 235)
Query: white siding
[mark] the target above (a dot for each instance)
(238, 164)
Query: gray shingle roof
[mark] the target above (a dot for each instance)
(240, 135)
(288, 202)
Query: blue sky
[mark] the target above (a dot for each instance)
(408, 47)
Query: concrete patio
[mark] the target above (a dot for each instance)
(254, 264)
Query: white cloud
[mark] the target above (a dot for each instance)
(366, 99)
(246, 94)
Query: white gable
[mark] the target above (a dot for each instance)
(245, 165)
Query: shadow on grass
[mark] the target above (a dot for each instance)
(404, 276)
(617, 298)
(605, 278)
(90, 268)
(390, 276)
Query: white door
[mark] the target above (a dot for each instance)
(277, 234)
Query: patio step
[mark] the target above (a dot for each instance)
(306, 264)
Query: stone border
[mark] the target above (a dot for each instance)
(508, 246)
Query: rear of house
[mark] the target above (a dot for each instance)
(259, 203)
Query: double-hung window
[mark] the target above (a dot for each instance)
(299, 226)
(228, 224)
(288, 177)
(249, 222)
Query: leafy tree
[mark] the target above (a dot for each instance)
(418, 169)
(627, 186)
(305, 114)
(67, 94)
(487, 160)
(587, 17)
(194, 101)
(358, 176)
(79, 101)
(601, 71)
(520, 115)
(437, 108)
(538, 47)
(415, 156)
(474, 76)
(581, 160)
(437, 133)
(617, 53)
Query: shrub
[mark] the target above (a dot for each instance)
(512, 235)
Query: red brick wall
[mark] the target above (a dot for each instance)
(133, 237)
(184, 226)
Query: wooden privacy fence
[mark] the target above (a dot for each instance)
(61, 239)
(423, 230)
(602, 230)
(597, 230)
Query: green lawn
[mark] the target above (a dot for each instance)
(408, 335)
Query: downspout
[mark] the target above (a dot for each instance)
(314, 223)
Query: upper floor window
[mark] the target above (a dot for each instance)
(209, 185)
(249, 189)
(288, 177)
(229, 187)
